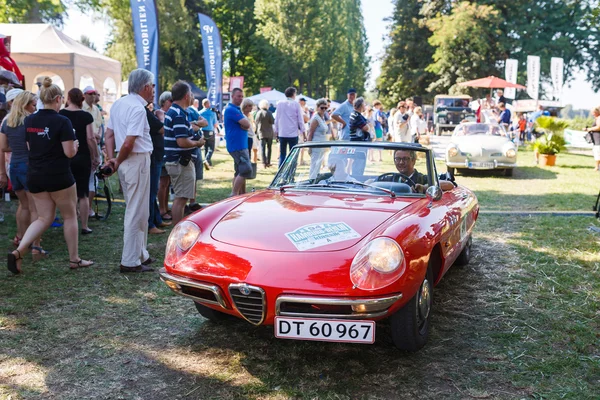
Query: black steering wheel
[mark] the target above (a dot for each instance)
(395, 177)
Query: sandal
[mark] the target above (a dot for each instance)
(41, 253)
(12, 262)
(16, 241)
(166, 216)
(80, 264)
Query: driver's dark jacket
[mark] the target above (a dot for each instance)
(418, 178)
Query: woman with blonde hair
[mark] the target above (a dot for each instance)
(52, 144)
(12, 139)
(317, 132)
(246, 107)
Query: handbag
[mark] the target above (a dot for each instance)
(253, 173)
(589, 138)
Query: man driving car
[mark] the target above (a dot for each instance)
(405, 161)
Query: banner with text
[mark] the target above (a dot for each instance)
(213, 59)
(556, 72)
(145, 34)
(512, 66)
(533, 77)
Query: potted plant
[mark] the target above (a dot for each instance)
(552, 142)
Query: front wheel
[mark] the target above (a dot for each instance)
(410, 325)
(465, 255)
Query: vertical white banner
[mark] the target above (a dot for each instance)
(556, 72)
(533, 77)
(510, 74)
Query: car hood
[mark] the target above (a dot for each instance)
(304, 221)
(480, 141)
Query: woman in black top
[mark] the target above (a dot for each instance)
(87, 158)
(52, 144)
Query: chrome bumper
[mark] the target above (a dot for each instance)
(358, 308)
(177, 283)
(465, 164)
(362, 308)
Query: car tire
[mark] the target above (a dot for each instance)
(212, 315)
(465, 255)
(508, 172)
(410, 324)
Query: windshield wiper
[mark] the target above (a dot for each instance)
(312, 185)
(390, 192)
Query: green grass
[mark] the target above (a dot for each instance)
(520, 321)
(571, 185)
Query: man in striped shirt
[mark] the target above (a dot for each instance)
(179, 148)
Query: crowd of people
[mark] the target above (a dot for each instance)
(57, 147)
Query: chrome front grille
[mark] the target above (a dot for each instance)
(249, 301)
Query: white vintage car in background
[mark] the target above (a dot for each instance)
(481, 146)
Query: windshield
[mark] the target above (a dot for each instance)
(404, 170)
(464, 103)
(479, 129)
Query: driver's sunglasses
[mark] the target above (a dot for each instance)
(323, 108)
(402, 159)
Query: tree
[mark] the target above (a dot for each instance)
(407, 55)
(322, 52)
(38, 11)
(548, 29)
(84, 40)
(179, 42)
(465, 46)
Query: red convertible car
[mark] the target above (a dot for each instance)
(329, 248)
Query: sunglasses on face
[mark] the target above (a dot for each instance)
(323, 108)
(402, 159)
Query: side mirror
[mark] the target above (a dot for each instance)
(433, 193)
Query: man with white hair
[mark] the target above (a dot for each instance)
(128, 132)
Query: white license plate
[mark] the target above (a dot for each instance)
(488, 165)
(325, 330)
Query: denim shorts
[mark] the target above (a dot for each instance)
(18, 175)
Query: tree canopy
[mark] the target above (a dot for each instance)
(436, 44)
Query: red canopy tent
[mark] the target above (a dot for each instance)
(491, 82)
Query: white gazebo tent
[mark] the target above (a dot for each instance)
(272, 96)
(42, 50)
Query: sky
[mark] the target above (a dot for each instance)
(578, 92)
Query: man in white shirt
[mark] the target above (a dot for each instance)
(342, 114)
(128, 131)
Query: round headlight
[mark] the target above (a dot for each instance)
(182, 238)
(377, 265)
(511, 153)
(452, 152)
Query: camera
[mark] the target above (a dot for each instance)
(104, 171)
(405, 117)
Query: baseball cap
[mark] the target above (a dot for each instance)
(351, 90)
(89, 90)
(12, 93)
(302, 99)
